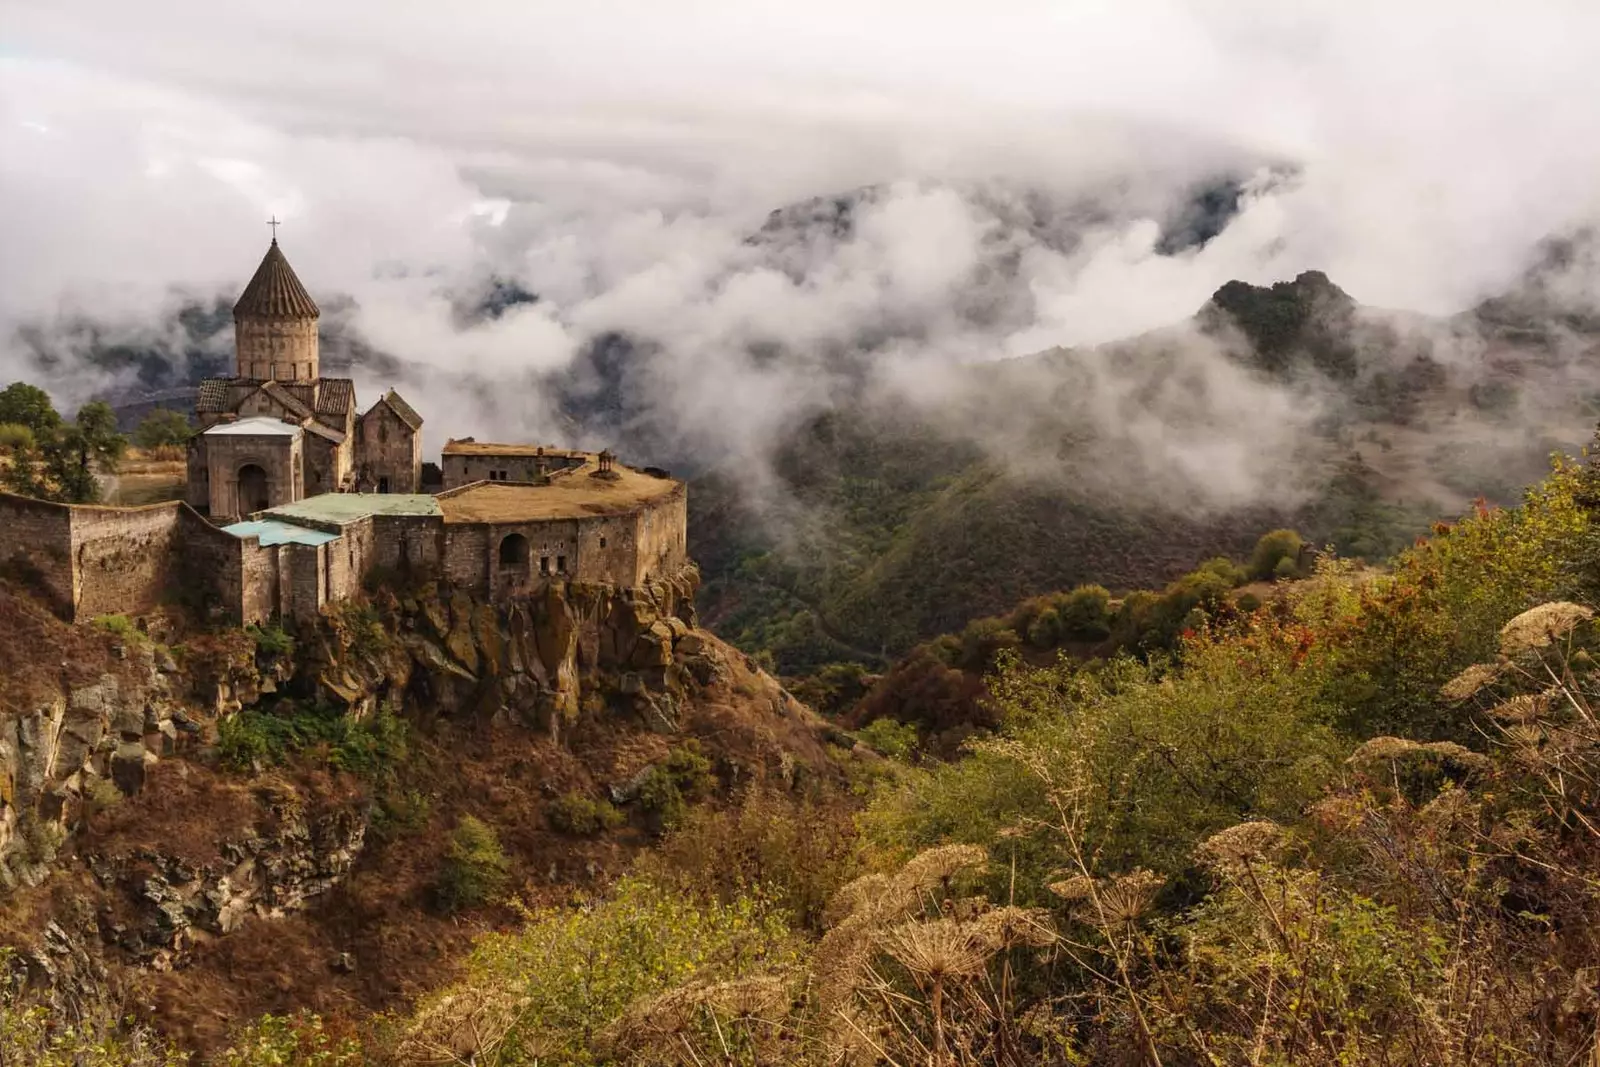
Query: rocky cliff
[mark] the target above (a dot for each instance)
(162, 791)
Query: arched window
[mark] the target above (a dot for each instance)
(514, 551)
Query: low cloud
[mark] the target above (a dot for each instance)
(953, 190)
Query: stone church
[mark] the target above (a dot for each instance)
(278, 431)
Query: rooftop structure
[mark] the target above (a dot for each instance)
(340, 509)
(271, 532)
(260, 426)
(469, 447)
(570, 494)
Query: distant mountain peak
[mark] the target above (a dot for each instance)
(1309, 316)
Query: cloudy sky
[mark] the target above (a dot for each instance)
(614, 156)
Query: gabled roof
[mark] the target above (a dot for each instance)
(213, 395)
(327, 433)
(274, 292)
(283, 396)
(403, 411)
(335, 396)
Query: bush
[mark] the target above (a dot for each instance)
(1085, 613)
(271, 640)
(475, 867)
(1287, 569)
(795, 853)
(897, 740)
(1271, 550)
(370, 747)
(574, 813)
(666, 791)
(98, 795)
(290, 1041)
(401, 812)
(120, 625)
(982, 640)
(15, 437)
(550, 991)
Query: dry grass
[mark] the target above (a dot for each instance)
(573, 495)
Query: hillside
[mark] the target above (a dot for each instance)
(212, 825)
(1287, 405)
(1351, 822)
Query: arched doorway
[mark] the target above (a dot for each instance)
(252, 489)
(513, 551)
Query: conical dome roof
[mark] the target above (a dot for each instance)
(275, 292)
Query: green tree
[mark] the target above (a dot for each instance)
(28, 405)
(72, 454)
(163, 427)
(1271, 550)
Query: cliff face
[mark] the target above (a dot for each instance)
(136, 850)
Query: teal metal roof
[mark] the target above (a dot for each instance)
(341, 508)
(279, 533)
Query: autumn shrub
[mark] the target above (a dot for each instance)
(582, 816)
(33, 1033)
(794, 852)
(1085, 613)
(299, 1040)
(670, 785)
(475, 868)
(1270, 552)
(558, 989)
(897, 740)
(1161, 757)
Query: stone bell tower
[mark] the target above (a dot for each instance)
(275, 324)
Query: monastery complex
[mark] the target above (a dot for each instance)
(294, 499)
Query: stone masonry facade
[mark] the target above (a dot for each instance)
(294, 501)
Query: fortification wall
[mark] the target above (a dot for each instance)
(661, 538)
(302, 579)
(467, 556)
(123, 557)
(209, 571)
(347, 560)
(258, 584)
(36, 540)
(607, 549)
(407, 542)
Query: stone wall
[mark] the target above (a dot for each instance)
(388, 452)
(259, 598)
(322, 469)
(90, 560)
(303, 585)
(467, 555)
(285, 349)
(209, 571)
(462, 470)
(36, 542)
(123, 557)
(197, 486)
(662, 537)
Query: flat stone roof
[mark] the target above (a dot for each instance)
(342, 508)
(490, 448)
(573, 494)
(255, 426)
(272, 532)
